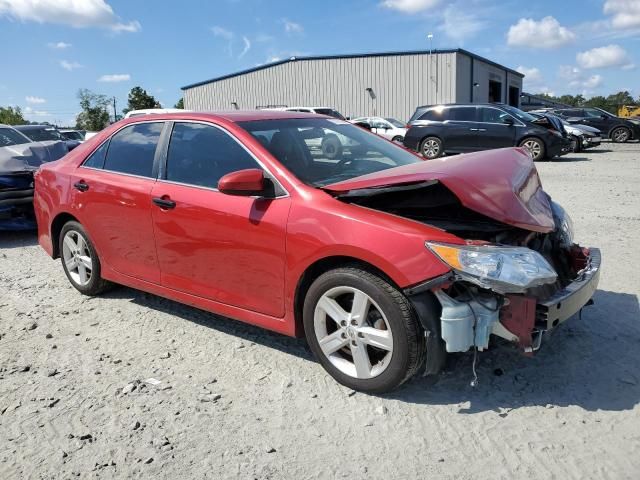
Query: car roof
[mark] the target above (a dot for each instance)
(464, 105)
(231, 116)
(34, 127)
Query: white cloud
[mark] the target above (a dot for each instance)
(547, 33)
(247, 46)
(69, 65)
(35, 113)
(76, 13)
(263, 37)
(410, 6)
(222, 32)
(531, 74)
(292, 27)
(116, 77)
(575, 78)
(625, 13)
(460, 25)
(58, 45)
(592, 82)
(131, 27)
(35, 100)
(602, 57)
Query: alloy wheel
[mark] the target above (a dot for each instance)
(533, 146)
(431, 148)
(353, 332)
(77, 257)
(620, 135)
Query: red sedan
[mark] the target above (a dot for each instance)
(308, 225)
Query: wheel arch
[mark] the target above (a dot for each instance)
(56, 227)
(317, 268)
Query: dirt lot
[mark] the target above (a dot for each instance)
(234, 401)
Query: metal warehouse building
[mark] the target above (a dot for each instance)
(386, 84)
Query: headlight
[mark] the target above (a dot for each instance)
(502, 269)
(564, 224)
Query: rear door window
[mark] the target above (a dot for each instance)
(133, 149)
(201, 154)
(436, 114)
(463, 114)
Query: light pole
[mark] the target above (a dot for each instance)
(434, 79)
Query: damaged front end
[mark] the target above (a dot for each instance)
(16, 201)
(517, 272)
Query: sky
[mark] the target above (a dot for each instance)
(52, 48)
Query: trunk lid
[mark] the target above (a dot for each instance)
(500, 184)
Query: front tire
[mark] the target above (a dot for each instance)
(535, 147)
(362, 330)
(80, 260)
(397, 139)
(431, 147)
(577, 144)
(621, 135)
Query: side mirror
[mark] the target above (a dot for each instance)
(603, 116)
(507, 120)
(245, 183)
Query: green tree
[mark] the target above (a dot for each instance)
(139, 99)
(94, 115)
(179, 103)
(11, 116)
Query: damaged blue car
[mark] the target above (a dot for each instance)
(19, 159)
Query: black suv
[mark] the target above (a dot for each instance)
(617, 129)
(459, 128)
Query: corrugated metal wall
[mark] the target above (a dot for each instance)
(400, 83)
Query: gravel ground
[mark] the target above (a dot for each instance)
(133, 385)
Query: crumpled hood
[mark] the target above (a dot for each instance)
(29, 156)
(500, 184)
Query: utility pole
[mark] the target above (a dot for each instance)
(115, 114)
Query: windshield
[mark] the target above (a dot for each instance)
(516, 112)
(324, 151)
(43, 134)
(8, 137)
(330, 112)
(395, 123)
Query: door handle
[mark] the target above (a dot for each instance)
(81, 186)
(481, 129)
(474, 129)
(164, 203)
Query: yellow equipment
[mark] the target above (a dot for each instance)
(629, 111)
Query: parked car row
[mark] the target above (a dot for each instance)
(436, 130)
(617, 129)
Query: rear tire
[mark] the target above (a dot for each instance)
(80, 260)
(386, 332)
(431, 147)
(621, 135)
(535, 147)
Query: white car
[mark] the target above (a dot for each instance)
(148, 111)
(319, 110)
(389, 128)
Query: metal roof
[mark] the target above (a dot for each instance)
(356, 55)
